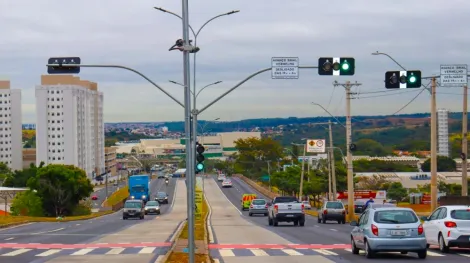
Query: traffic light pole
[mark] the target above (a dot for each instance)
(464, 142)
(332, 160)
(433, 146)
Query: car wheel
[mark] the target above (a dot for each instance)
(124, 218)
(323, 220)
(265, 214)
(319, 220)
(275, 223)
(302, 223)
(339, 221)
(250, 214)
(369, 251)
(442, 245)
(343, 222)
(354, 249)
(422, 254)
(270, 221)
(296, 223)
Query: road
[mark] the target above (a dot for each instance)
(29, 238)
(101, 193)
(330, 240)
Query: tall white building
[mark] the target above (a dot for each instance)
(69, 127)
(443, 132)
(11, 145)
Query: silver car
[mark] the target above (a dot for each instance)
(258, 206)
(388, 229)
(152, 207)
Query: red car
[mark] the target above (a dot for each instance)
(94, 197)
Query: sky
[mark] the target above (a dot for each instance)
(419, 34)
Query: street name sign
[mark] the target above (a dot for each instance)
(316, 146)
(453, 75)
(284, 68)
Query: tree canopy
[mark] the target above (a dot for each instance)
(444, 164)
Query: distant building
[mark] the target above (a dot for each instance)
(69, 126)
(110, 160)
(11, 144)
(443, 132)
(29, 126)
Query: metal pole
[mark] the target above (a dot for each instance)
(332, 161)
(464, 142)
(433, 146)
(269, 174)
(106, 186)
(329, 175)
(302, 174)
(349, 153)
(187, 113)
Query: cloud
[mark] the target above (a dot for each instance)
(420, 34)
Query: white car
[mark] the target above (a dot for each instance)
(227, 183)
(448, 226)
(221, 177)
(307, 205)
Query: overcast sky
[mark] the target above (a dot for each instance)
(419, 34)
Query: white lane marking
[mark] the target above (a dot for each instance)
(55, 230)
(82, 252)
(332, 229)
(291, 252)
(160, 259)
(146, 250)
(16, 252)
(348, 249)
(209, 217)
(325, 252)
(10, 238)
(115, 251)
(464, 255)
(21, 225)
(259, 252)
(434, 254)
(48, 252)
(226, 252)
(226, 198)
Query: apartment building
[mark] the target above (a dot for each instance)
(110, 160)
(443, 132)
(69, 126)
(11, 144)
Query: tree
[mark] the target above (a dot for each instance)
(287, 181)
(370, 147)
(5, 172)
(27, 203)
(381, 166)
(444, 164)
(396, 191)
(61, 187)
(20, 178)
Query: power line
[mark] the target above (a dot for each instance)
(386, 95)
(411, 101)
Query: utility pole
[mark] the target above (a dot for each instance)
(433, 146)
(332, 161)
(269, 174)
(347, 86)
(464, 142)
(302, 174)
(329, 175)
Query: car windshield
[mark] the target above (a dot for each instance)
(395, 217)
(138, 189)
(286, 199)
(259, 202)
(152, 203)
(334, 205)
(227, 181)
(133, 205)
(161, 194)
(461, 214)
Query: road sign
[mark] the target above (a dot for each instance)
(284, 68)
(198, 205)
(316, 146)
(453, 75)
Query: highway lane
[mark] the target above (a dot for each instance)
(101, 193)
(327, 235)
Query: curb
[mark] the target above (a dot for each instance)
(173, 240)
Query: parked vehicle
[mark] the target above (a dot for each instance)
(388, 229)
(139, 187)
(332, 210)
(286, 209)
(258, 206)
(152, 207)
(246, 200)
(133, 208)
(448, 226)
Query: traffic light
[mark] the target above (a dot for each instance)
(199, 158)
(336, 66)
(403, 79)
(62, 67)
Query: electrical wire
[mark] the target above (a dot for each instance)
(411, 101)
(331, 97)
(386, 95)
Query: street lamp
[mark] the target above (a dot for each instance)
(195, 95)
(303, 168)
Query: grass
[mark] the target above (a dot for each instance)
(117, 196)
(180, 257)
(6, 221)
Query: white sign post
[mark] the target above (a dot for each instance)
(453, 75)
(284, 68)
(316, 146)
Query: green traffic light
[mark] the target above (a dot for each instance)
(412, 79)
(345, 66)
(200, 166)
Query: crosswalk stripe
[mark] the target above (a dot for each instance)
(348, 249)
(16, 252)
(464, 255)
(226, 253)
(115, 251)
(434, 254)
(325, 252)
(259, 252)
(82, 252)
(48, 252)
(146, 250)
(291, 252)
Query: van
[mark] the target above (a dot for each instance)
(246, 200)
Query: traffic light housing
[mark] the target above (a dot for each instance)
(62, 67)
(329, 66)
(403, 79)
(199, 158)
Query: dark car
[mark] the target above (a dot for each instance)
(162, 198)
(133, 209)
(359, 207)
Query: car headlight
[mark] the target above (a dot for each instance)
(166, 197)
(146, 208)
(143, 197)
(132, 197)
(158, 208)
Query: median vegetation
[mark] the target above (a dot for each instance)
(117, 197)
(200, 235)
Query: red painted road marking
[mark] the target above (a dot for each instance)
(276, 246)
(80, 246)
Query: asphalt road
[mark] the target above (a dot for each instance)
(78, 232)
(101, 193)
(326, 234)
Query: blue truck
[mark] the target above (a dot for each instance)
(139, 187)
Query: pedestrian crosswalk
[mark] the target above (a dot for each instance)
(223, 253)
(11, 252)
